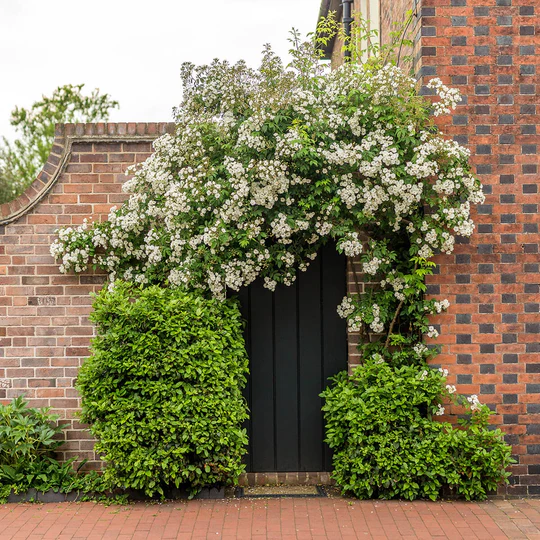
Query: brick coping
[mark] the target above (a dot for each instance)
(65, 136)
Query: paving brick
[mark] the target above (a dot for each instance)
(285, 518)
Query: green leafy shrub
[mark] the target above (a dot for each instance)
(379, 423)
(28, 439)
(162, 390)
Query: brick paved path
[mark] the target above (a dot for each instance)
(273, 518)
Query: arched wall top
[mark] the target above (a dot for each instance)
(65, 136)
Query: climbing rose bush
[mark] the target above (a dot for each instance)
(264, 167)
(267, 165)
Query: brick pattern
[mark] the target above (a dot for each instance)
(44, 327)
(286, 518)
(357, 284)
(491, 336)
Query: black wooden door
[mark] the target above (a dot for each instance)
(295, 341)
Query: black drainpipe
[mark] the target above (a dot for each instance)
(347, 20)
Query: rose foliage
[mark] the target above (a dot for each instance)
(267, 165)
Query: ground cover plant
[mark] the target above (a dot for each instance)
(267, 165)
(28, 440)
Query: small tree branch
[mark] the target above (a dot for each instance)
(396, 315)
(402, 38)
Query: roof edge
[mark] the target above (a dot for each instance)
(326, 7)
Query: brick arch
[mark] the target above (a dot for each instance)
(65, 136)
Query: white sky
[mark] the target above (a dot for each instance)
(133, 49)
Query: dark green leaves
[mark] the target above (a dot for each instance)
(163, 388)
(387, 445)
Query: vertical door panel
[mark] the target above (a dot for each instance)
(334, 328)
(262, 379)
(310, 361)
(286, 378)
(244, 296)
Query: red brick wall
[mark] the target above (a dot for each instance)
(394, 12)
(44, 327)
(490, 337)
